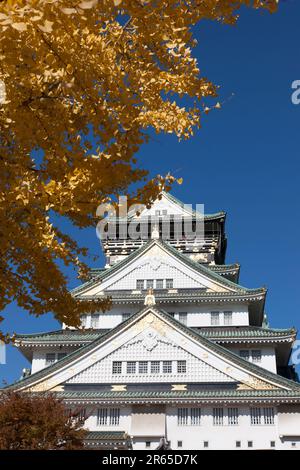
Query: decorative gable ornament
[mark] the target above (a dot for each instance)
(150, 298)
(150, 340)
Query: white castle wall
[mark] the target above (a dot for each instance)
(218, 437)
(197, 315)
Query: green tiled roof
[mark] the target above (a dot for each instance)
(220, 350)
(106, 436)
(213, 333)
(241, 332)
(206, 271)
(177, 394)
(62, 336)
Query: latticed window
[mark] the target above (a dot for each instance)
(159, 283)
(95, 321)
(195, 416)
(256, 355)
(131, 367)
(102, 417)
(117, 367)
(218, 416)
(50, 358)
(140, 284)
(125, 316)
(233, 416)
(169, 283)
(268, 415)
(61, 356)
(167, 367)
(81, 415)
(255, 416)
(149, 283)
(172, 314)
(215, 318)
(245, 354)
(155, 367)
(143, 367)
(227, 318)
(114, 416)
(83, 320)
(181, 367)
(182, 416)
(183, 317)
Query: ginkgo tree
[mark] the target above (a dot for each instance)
(81, 81)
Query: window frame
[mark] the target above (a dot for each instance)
(118, 365)
(215, 318)
(181, 364)
(166, 364)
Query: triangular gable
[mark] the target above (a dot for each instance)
(158, 260)
(167, 204)
(213, 356)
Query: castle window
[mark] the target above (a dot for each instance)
(61, 356)
(227, 318)
(155, 367)
(183, 317)
(148, 444)
(272, 444)
(268, 415)
(102, 416)
(256, 355)
(182, 416)
(167, 367)
(255, 416)
(140, 284)
(131, 367)
(149, 284)
(195, 416)
(114, 416)
(143, 367)
(237, 443)
(179, 444)
(81, 416)
(159, 283)
(215, 318)
(95, 321)
(125, 316)
(169, 283)
(205, 444)
(250, 443)
(233, 416)
(117, 367)
(245, 354)
(50, 358)
(218, 415)
(181, 367)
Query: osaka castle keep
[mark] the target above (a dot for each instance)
(185, 358)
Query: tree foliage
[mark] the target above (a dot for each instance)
(83, 81)
(36, 422)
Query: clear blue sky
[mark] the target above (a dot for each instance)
(244, 160)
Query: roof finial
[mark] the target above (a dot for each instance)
(150, 298)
